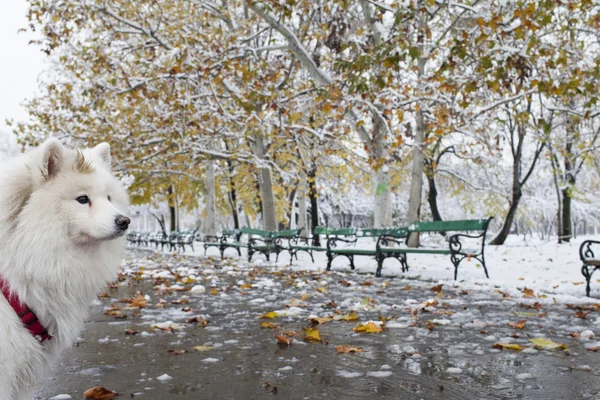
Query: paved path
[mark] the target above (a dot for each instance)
(435, 345)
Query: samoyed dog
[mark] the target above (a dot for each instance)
(62, 225)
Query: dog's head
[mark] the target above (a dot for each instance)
(79, 189)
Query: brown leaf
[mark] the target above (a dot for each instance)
(201, 321)
(597, 348)
(582, 314)
(177, 352)
(430, 325)
(518, 325)
(345, 349)
(575, 335)
(284, 340)
(331, 304)
(131, 332)
(407, 287)
(527, 292)
(437, 288)
(320, 321)
(99, 393)
(344, 283)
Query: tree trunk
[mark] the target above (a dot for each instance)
(566, 215)
(416, 179)
(510, 216)
(314, 205)
(302, 207)
(266, 189)
(432, 195)
(209, 227)
(172, 211)
(418, 166)
(383, 194)
(233, 196)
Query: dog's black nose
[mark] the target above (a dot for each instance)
(122, 222)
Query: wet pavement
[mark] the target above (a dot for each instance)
(180, 340)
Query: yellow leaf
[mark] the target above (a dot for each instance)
(203, 348)
(546, 344)
(269, 325)
(511, 346)
(369, 327)
(347, 349)
(304, 296)
(352, 316)
(269, 315)
(322, 289)
(311, 334)
(214, 291)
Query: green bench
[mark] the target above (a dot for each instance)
(269, 242)
(590, 262)
(351, 236)
(228, 239)
(304, 243)
(456, 250)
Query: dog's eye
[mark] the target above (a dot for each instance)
(83, 200)
(109, 198)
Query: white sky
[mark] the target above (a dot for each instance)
(20, 63)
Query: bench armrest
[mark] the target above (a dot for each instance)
(585, 250)
(385, 240)
(253, 241)
(212, 239)
(332, 241)
(456, 245)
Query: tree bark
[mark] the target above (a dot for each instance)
(566, 215)
(314, 205)
(172, 211)
(302, 207)
(233, 196)
(432, 197)
(209, 227)
(266, 189)
(416, 179)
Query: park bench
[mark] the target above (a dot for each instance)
(456, 250)
(350, 236)
(228, 239)
(154, 238)
(131, 237)
(268, 242)
(142, 238)
(186, 238)
(590, 262)
(300, 243)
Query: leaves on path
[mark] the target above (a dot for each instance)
(510, 346)
(351, 316)
(518, 325)
(99, 393)
(547, 344)
(346, 349)
(284, 340)
(268, 325)
(311, 334)
(269, 315)
(368, 327)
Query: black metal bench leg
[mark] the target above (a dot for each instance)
(484, 266)
(379, 259)
(250, 252)
(311, 256)
(456, 261)
(588, 277)
(329, 260)
(239, 251)
(351, 262)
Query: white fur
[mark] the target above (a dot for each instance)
(55, 253)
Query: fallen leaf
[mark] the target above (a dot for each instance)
(177, 352)
(203, 348)
(282, 339)
(368, 327)
(331, 304)
(431, 303)
(511, 346)
(345, 349)
(99, 393)
(575, 335)
(463, 293)
(322, 289)
(407, 288)
(214, 291)
(352, 316)
(546, 344)
(311, 334)
(437, 288)
(527, 292)
(131, 332)
(430, 325)
(518, 325)
(201, 321)
(577, 283)
(582, 314)
(269, 325)
(320, 321)
(597, 348)
(269, 315)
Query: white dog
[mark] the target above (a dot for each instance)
(61, 239)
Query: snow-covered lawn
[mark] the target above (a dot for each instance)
(546, 267)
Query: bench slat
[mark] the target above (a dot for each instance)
(324, 230)
(444, 226)
(376, 232)
(357, 252)
(257, 232)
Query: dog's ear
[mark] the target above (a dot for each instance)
(53, 155)
(103, 151)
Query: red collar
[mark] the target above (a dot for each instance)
(27, 317)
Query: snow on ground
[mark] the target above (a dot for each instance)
(550, 269)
